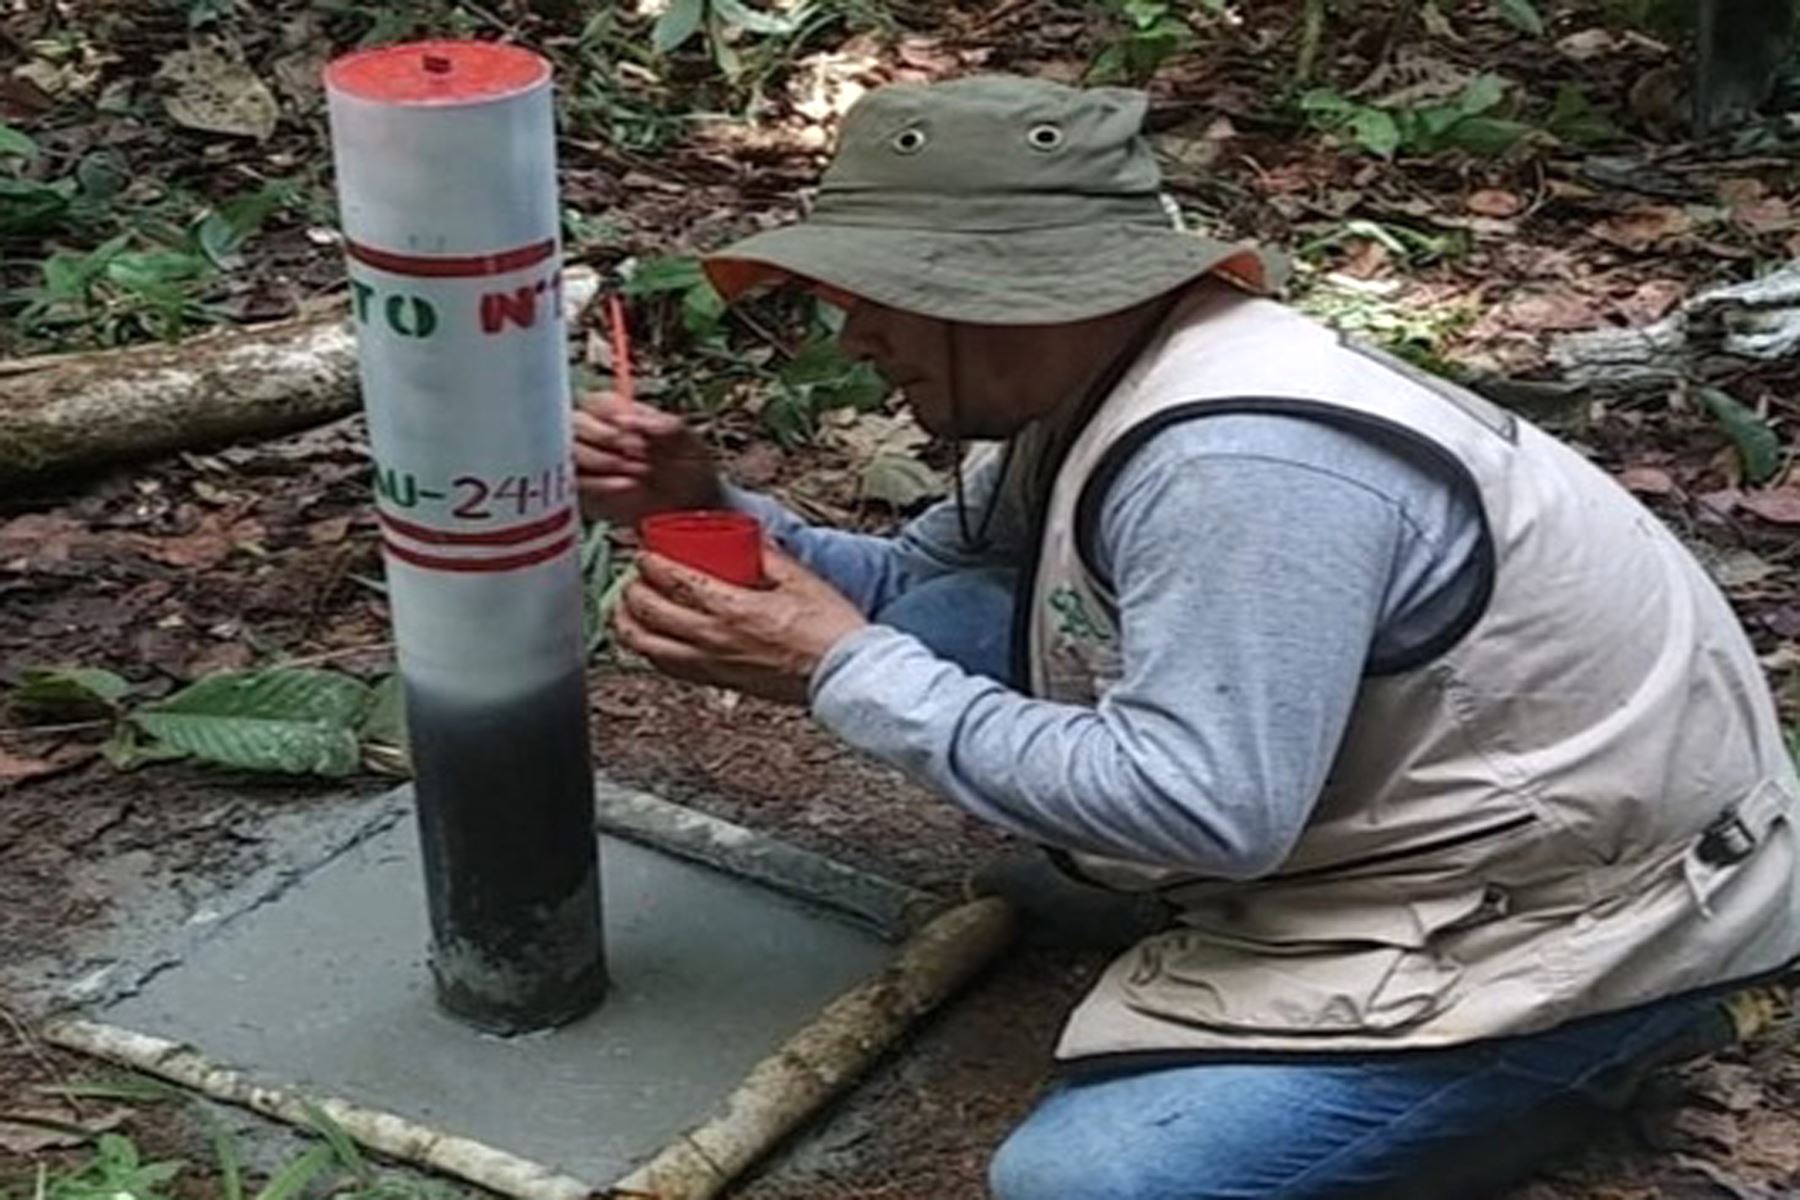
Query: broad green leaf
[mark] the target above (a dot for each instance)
(68, 694)
(222, 233)
(102, 176)
(290, 720)
(1521, 15)
(678, 23)
(1327, 102)
(735, 12)
(1489, 136)
(1481, 94)
(654, 276)
(1759, 449)
(292, 1180)
(126, 749)
(30, 207)
(385, 720)
(15, 143)
(1375, 131)
(1145, 13)
(385, 747)
(150, 270)
(724, 52)
(702, 309)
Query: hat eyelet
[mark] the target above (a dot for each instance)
(910, 140)
(1045, 137)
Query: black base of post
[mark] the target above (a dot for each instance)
(505, 798)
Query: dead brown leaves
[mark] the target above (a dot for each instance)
(1646, 228)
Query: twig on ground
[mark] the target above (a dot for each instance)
(463, 1158)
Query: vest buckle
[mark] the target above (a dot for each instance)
(1727, 841)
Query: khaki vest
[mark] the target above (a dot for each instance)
(1579, 803)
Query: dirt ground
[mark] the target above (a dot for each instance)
(257, 554)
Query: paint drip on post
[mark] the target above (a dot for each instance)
(446, 168)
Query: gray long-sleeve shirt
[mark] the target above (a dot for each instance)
(1260, 562)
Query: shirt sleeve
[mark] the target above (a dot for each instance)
(872, 571)
(1249, 590)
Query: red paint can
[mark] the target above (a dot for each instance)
(725, 545)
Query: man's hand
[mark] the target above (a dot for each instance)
(766, 642)
(632, 460)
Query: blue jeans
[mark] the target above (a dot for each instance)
(965, 617)
(1450, 1124)
(1454, 1124)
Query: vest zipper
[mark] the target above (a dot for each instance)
(1389, 856)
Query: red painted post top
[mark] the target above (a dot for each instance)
(433, 73)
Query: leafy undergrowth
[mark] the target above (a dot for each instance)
(112, 1166)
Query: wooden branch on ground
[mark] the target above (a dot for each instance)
(70, 412)
(382, 1132)
(1718, 331)
(823, 1059)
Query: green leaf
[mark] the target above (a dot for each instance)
(1375, 131)
(735, 12)
(293, 1179)
(127, 751)
(385, 746)
(1481, 94)
(1327, 102)
(1488, 136)
(678, 23)
(702, 310)
(1759, 449)
(130, 1089)
(68, 694)
(27, 206)
(385, 720)
(654, 276)
(152, 270)
(341, 1144)
(102, 176)
(289, 720)
(231, 1168)
(1521, 15)
(15, 143)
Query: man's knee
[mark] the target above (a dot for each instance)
(1032, 1166)
(1043, 1160)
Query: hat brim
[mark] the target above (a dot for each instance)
(1038, 277)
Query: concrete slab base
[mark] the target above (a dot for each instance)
(322, 983)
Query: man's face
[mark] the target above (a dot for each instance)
(974, 382)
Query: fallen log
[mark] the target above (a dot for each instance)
(71, 412)
(77, 411)
(1717, 332)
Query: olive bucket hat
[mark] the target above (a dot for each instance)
(992, 200)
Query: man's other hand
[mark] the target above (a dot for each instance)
(764, 641)
(632, 460)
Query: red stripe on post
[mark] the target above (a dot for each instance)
(451, 266)
(479, 566)
(511, 535)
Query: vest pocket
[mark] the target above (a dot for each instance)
(1376, 970)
